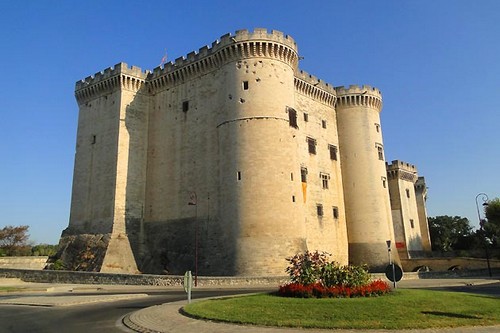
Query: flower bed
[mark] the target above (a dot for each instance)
(318, 290)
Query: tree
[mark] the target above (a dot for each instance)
(492, 227)
(14, 240)
(446, 231)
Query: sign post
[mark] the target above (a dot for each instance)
(393, 272)
(188, 284)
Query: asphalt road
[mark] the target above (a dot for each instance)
(492, 289)
(97, 317)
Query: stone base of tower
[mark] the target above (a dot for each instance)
(372, 254)
(104, 253)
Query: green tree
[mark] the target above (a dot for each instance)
(492, 226)
(14, 240)
(446, 231)
(44, 250)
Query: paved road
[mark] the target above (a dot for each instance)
(88, 318)
(492, 289)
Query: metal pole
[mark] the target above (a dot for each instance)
(485, 199)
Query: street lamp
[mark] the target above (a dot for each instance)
(391, 263)
(485, 199)
(193, 201)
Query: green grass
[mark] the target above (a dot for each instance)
(402, 309)
(9, 289)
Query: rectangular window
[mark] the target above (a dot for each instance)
(319, 209)
(303, 175)
(384, 182)
(311, 145)
(380, 151)
(407, 193)
(245, 85)
(293, 198)
(238, 175)
(333, 152)
(93, 139)
(377, 127)
(412, 224)
(292, 118)
(335, 212)
(323, 123)
(324, 180)
(306, 117)
(291, 176)
(185, 106)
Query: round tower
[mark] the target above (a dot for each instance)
(257, 153)
(367, 203)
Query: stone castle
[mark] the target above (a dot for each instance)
(231, 159)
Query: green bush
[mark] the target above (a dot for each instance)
(313, 267)
(349, 276)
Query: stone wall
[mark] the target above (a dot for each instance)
(23, 262)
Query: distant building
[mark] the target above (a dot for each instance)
(231, 160)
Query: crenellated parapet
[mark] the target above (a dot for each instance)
(242, 45)
(402, 170)
(120, 76)
(311, 86)
(359, 96)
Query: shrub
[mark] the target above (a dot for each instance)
(311, 275)
(305, 268)
(349, 276)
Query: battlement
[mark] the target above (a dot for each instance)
(243, 44)
(120, 68)
(397, 164)
(402, 170)
(359, 96)
(356, 90)
(313, 87)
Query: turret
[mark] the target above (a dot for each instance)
(368, 212)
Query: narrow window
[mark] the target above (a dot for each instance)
(380, 151)
(319, 209)
(293, 198)
(303, 175)
(384, 182)
(412, 224)
(185, 106)
(306, 117)
(238, 175)
(291, 176)
(245, 85)
(292, 118)
(324, 180)
(333, 152)
(323, 123)
(93, 139)
(377, 127)
(311, 145)
(335, 212)
(407, 193)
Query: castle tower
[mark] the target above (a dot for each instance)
(421, 196)
(257, 153)
(402, 177)
(109, 173)
(367, 205)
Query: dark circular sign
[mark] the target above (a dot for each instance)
(390, 273)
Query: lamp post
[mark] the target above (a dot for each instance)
(388, 242)
(485, 199)
(193, 201)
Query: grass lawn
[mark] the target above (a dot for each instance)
(9, 289)
(401, 309)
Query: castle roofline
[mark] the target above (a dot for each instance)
(243, 35)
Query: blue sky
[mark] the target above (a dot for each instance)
(436, 62)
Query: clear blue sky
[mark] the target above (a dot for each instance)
(436, 62)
